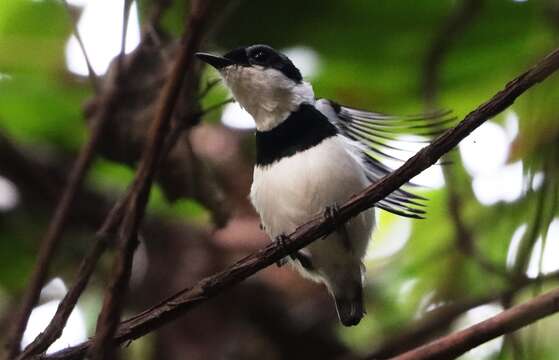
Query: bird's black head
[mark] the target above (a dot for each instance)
(255, 55)
(263, 81)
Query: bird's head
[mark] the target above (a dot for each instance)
(264, 82)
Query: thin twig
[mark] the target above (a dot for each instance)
(217, 106)
(54, 330)
(57, 224)
(57, 323)
(530, 237)
(157, 10)
(178, 304)
(90, 72)
(125, 18)
(101, 241)
(192, 118)
(128, 237)
(456, 344)
(437, 321)
(209, 86)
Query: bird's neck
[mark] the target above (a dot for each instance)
(271, 108)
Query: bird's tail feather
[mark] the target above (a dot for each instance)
(350, 309)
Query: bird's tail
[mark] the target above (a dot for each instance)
(350, 306)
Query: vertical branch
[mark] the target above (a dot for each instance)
(529, 239)
(158, 8)
(50, 240)
(53, 234)
(547, 194)
(86, 269)
(55, 327)
(109, 317)
(90, 72)
(124, 32)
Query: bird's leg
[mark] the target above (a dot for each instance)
(281, 240)
(332, 213)
(305, 260)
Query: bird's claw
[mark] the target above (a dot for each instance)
(332, 213)
(281, 240)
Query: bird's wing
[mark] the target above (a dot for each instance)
(378, 138)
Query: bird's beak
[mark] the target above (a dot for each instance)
(217, 62)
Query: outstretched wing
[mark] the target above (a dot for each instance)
(377, 137)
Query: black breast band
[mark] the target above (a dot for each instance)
(302, 130)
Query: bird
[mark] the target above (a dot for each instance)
(311, 155)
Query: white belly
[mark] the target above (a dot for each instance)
(293, 190)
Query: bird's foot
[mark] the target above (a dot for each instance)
(332, 213)
(305, 260)
(281, 240)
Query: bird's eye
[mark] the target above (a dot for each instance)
(260, 56)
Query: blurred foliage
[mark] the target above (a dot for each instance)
(371, 55)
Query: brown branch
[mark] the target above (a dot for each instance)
(54, 329)
(434, 323)
(90, 72)
(109, 317)
(54, 231)
(101, 241)
(50, 334)
(510, 320)
(60, 218)
(157, 10)
(125, 18)
(29, 173)
(437, 321)
(210, 287)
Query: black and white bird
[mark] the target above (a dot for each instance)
(312, 154)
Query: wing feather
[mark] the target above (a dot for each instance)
(371, 131)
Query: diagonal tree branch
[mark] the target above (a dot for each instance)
(128, 237)
(436, 322)
(510, 320)
(210, 287)
(109, 101)
(59, 219)
(54, 232)
(102, 240)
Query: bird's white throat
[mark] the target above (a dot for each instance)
(267, 94)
